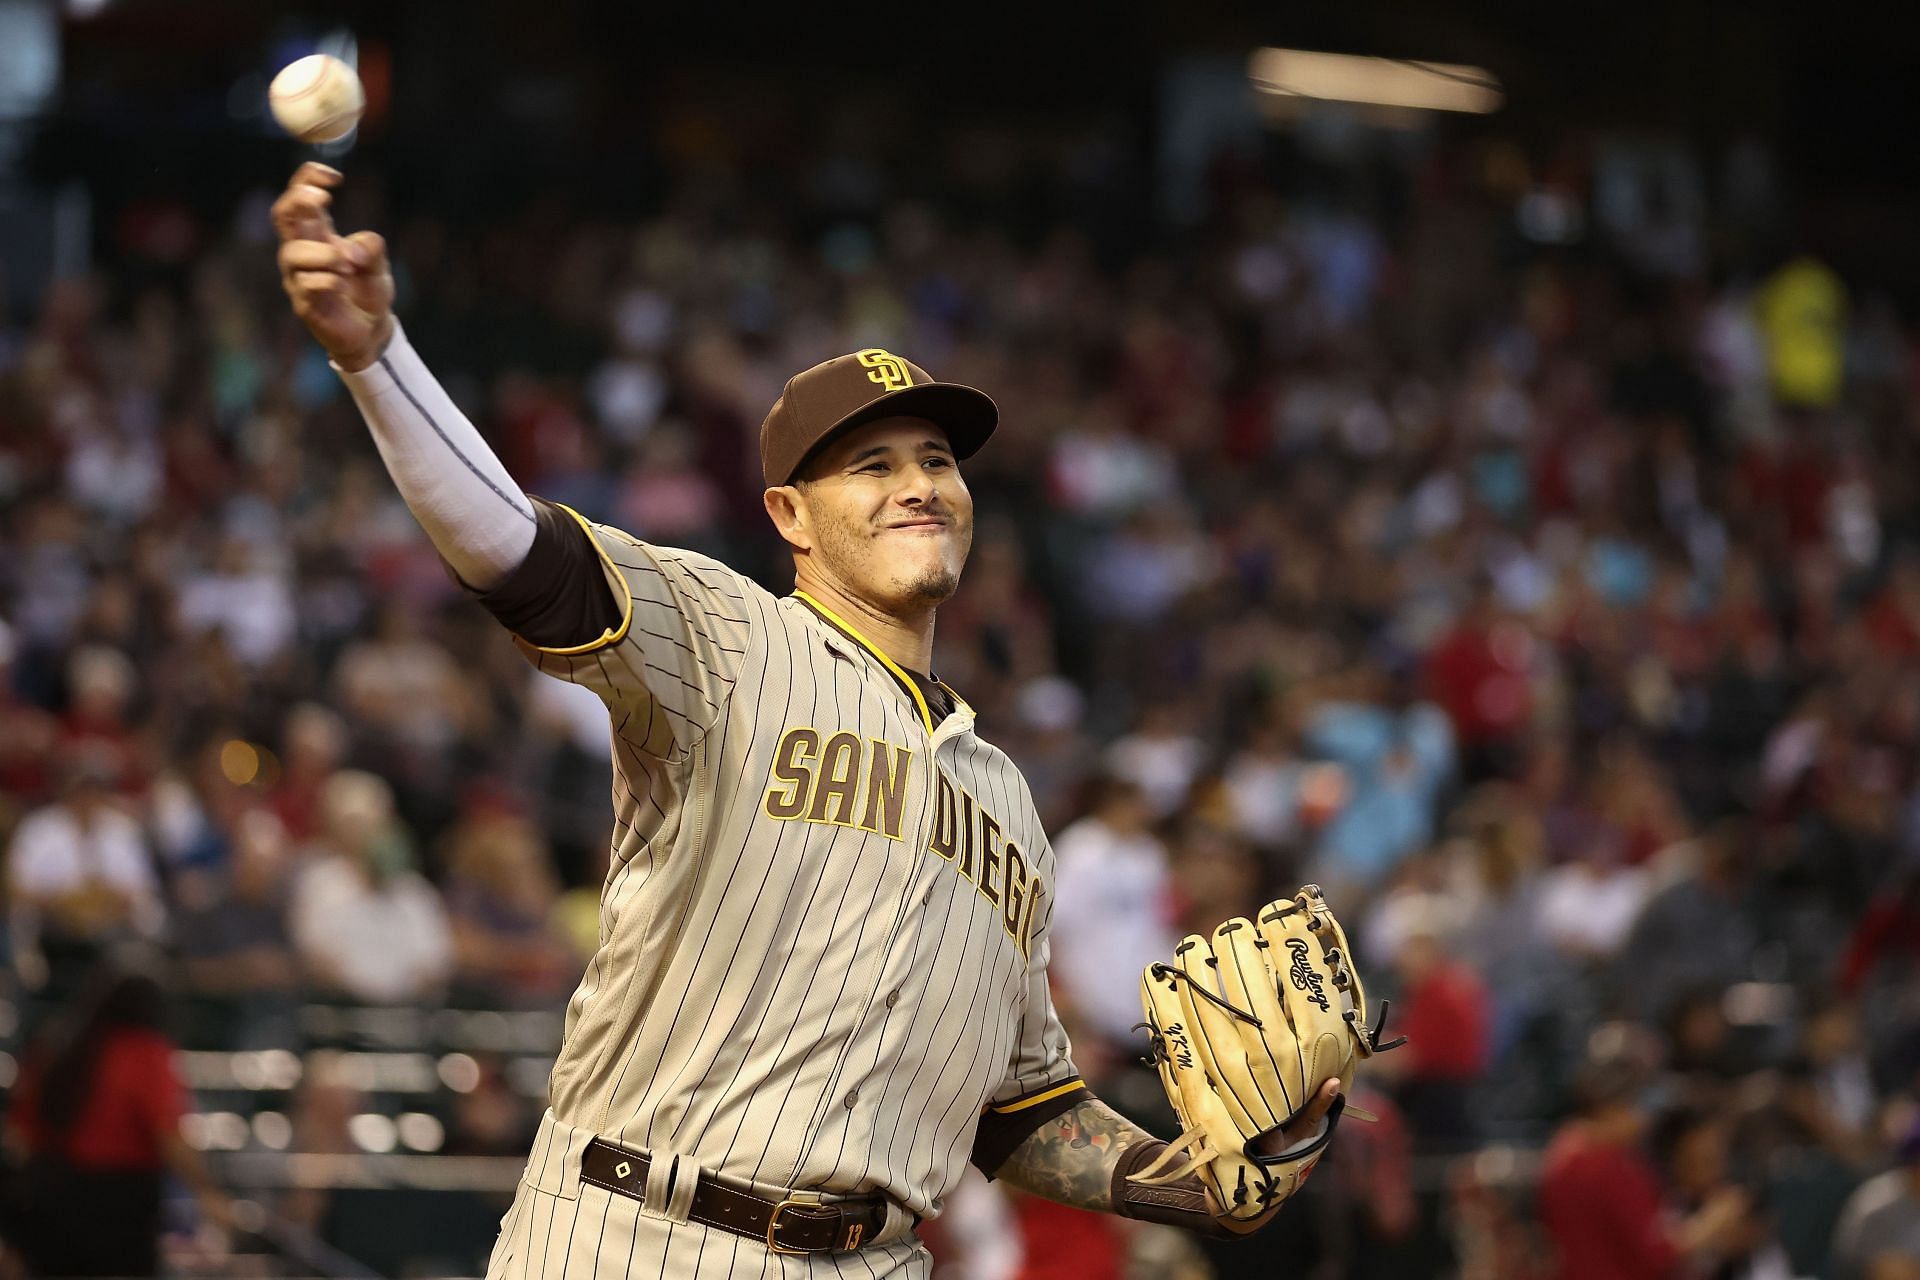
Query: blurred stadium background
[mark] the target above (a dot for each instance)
(1503, 514)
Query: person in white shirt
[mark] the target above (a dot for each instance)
(1113, 911)
(78, 871)
(365, 925)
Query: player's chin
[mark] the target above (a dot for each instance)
(930, 584)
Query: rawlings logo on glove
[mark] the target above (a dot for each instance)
(1245, 1028)
(1303, 976)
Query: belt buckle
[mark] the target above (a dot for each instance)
(773, 1226)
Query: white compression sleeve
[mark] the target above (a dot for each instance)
(476, 516)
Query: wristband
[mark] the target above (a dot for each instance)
(1180, 1203)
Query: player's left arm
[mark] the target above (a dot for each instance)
(1071, 1157)
(1081, 1156)
(1046, 1133)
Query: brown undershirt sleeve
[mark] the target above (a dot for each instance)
(1003, 1128)
(559, 596)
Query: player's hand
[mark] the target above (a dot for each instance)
(1299, 1131)
(340, 286)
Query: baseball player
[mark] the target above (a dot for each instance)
(821, 983)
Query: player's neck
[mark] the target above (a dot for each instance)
(908, 641)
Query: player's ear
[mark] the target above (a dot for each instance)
(787, 508)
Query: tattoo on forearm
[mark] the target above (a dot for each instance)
(1070, 1159)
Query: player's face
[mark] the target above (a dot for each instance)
(884, 513)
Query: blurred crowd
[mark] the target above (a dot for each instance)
(1559, 611)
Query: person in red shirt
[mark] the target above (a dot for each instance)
(1481, 673)
(313, 745)
(100, 685)
(1448, 1024)
(96, 1117)
(1887, 933)
(1600, 1197)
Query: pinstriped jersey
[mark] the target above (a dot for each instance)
(823, 933)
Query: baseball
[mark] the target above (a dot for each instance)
(317, 98)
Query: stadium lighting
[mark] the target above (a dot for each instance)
(1381, 82)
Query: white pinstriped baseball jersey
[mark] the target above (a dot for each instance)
(823, 934)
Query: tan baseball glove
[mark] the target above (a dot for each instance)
(1246, 1027)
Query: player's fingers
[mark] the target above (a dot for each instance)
(314, 255)
(314, 282)
(302, 199)
(313, 173)
(1306, 1125)
(367, 250)
(301, 212)
(1322, 1102)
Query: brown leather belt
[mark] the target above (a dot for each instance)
(784, 1226)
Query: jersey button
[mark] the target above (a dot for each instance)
(893, 998)
(853, 1098)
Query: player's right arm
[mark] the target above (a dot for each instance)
(341, 287)
(657, 633)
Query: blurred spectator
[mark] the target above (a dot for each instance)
(1690, 1146)
(1161, 756)
(576, 913)
(1500, 934)
(97, 1114)
(1495, 1239)
(501, 902)
(100, 686)
(1056, 755)
(1879, 1233)
(194, 808)
(321, 1120)
(1588, 904)
(1802, 309)
(1397, 753)
(1840, 1075)
(1700, 927)
(243, 598)
(666, 498)
(999, 632)
(400, 684)
(1481, 673)
(313, 745)
(1058, 1243)
(1102, 471)
(1700, 1045)
(1811, 1162)
(490, 1119)
(1881, 966)
(1600, 1198)
(1113, 905)
(27, 737)
(1446, 1018)
(79, 874)
(977, 1236)
(1215, 877)
(1376, 1213)
(1155, 560)
(235, 947)
(1262, 781)
(366, 926)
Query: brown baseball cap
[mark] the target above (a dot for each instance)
(848, 391)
